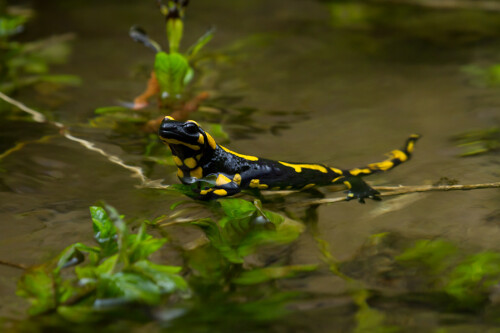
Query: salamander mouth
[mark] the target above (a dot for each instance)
(166, 134)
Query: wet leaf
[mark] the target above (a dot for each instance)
(143, 245)
(472, 278)
(130, 287)
(166, 277)
(104, 230)
(261, 275)
(37, 285)
(171, 70)
(11, 25)
(175, 29)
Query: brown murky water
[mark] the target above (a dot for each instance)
(363, 93)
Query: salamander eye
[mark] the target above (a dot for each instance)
(191, 128)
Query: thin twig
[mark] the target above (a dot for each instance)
(13, 264)
(398, 190)
(40, 118)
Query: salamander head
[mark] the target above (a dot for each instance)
(186, 139)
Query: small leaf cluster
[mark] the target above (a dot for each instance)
(477, 142)
(466, 279)
(243, 228)
(25, 64)
(172, 68)
(116, 271)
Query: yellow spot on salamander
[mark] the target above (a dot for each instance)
(222, 180)
(255, 183)
(346, 183)
(194, 122)
(335, 179)
(356, 172)
(211, 141)
(276, 188)
(205, 192)
(180, 174)
(308, 186)
(410, 146)
(289, 187)
(169, 118)
(177, 142)
(201, 139)
(199, 156)
(190, 163)
(246, 157)
(237, 179)
(197, 173)
(385, 165)
(177, 161)
(220, 192)
(299, 167)
(398, 154)
(336, 170)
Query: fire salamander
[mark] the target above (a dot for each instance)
(198, 158)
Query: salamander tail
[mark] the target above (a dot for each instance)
(396, 157)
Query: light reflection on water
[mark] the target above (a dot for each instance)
(364, 93)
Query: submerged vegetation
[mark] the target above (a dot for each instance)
(26, 64)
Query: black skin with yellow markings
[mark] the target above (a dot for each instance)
(201, 160)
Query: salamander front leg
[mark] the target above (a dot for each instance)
(215, 187)
(358, 189)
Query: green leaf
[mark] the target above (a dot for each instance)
(261, 275)
(471, 279)
(200, 43)
(142, 245)
(219, 240)
(166, 277)
(175, 29)
(130, 287)
(236, 209)
(110, 109)
(104, 231)
(78, 314)
(37, 285)
(73, 255)
(171, 70)
(70, 80)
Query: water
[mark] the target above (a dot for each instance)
(347, 96)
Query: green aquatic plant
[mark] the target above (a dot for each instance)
(172, 69)
(84, 282)
(465, 279)
(116, 271)
(478, 142)
(28, 63)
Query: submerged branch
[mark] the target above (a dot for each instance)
(398, 190)
(137, 172)
(40, 118)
